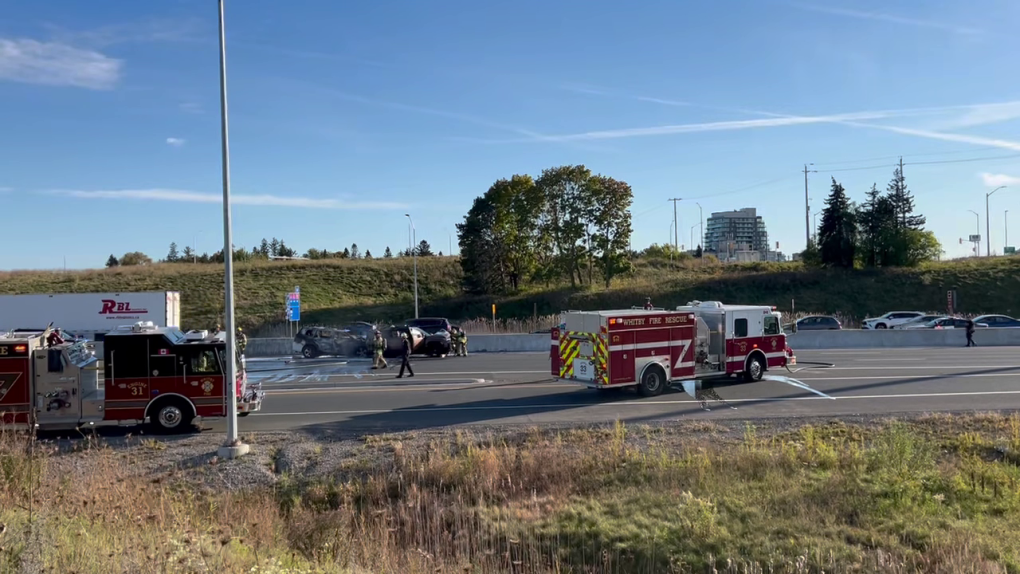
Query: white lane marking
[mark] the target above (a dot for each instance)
(920, 368)
(459, 383)
(631, 404)
(907, 377)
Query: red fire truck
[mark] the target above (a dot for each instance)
(148, 374)
(655, 348)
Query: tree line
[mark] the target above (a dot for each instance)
(566, 224)
(266, 249)
(883, 231)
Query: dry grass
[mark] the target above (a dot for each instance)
(934, 495)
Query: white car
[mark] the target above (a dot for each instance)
(890, 319)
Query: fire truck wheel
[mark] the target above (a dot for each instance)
(170, 415)
(653, 381)
(755, 369)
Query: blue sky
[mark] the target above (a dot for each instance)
(345, 115)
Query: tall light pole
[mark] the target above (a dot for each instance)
(1005, 231)
(672, 224)
(701, 226)
(233, 447)
(807, 207)
(692, 235)
(676, 227)
(412, 236)
(988, 225)
(977, 219)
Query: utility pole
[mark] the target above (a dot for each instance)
(807, 208)
(233, 447)
(676, 230)
(988, 226)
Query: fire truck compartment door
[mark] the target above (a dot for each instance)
(57, 388)
(584, 369)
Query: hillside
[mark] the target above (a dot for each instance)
(335, 291)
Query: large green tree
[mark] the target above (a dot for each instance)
(837, 235)
(611, 224)
(566, 193)
(499, 238)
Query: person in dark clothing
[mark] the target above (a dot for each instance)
(648, 304)
(970, 333)
(406, 357)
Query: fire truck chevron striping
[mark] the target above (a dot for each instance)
(651, 349)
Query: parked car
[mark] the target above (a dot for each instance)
(998, 321)
(311, 342)
(890, 319)
(917, 321)
(815, 323)
(438, 341)
(946, 323)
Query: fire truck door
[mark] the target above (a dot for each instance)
(621, 357)
(57, 388)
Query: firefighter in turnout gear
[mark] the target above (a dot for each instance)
(378, 346)
(242, 340)
(461, 339)
(406, 357)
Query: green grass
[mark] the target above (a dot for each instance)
(936, 494)
(336, 291)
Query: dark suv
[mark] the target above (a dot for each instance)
(438, 330)
(311, 342)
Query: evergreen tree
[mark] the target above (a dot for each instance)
(354, 251)
(387, 254)
(424, 249)
(837, 235)
(346, 254)
(264, 248)
(368, 254)
(903, 201)
(274, 247)
(188, 255)
(173, 256)
(112, 261)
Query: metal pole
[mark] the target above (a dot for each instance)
(977, 227)
(414, 256)
(807, 208)
(1005, 231)
(676, 227)
(233, 447)
(701, 226)
(988, 225)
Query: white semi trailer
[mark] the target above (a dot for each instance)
(89, 315)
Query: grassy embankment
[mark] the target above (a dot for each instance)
(337, 291)
(936, 494)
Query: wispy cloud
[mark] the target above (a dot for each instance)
(6, 189)
(889, 18)
(143, 31)
(949, 137)
(235, 199)
(55, 64)
(191, 108)
(175, 142)
(997, 179)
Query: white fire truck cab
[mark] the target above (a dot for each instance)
(652, 349)
(148, 374)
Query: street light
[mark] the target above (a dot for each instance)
(977, 246)
(701, 225)
(988, 228)
(412, 236)
(1005, 231)
(233, 447)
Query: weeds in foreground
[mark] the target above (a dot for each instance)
(934, 495)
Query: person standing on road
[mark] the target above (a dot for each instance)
(379, 345)
(970, 333)
(406, 357)
(242, 340)
(462, 342)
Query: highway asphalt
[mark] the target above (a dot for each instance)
(497, 389)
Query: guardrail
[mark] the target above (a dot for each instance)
(804, 340)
